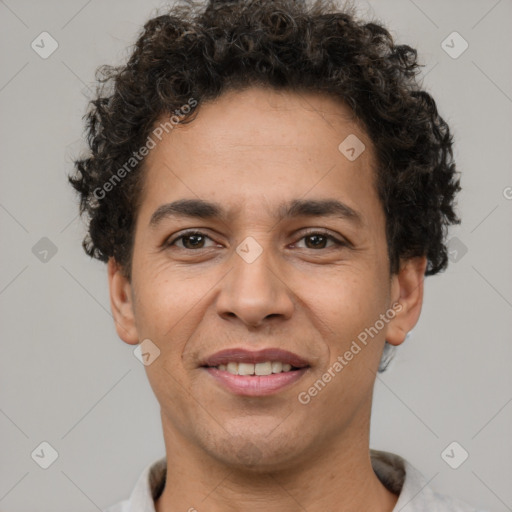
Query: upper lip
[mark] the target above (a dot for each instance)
(241, 355)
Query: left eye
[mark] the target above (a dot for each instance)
(195, 240)
(319, 238)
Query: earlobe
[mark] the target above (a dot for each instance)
(407, 292)
(121, 303)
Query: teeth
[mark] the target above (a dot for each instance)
(245, 369)
(266, 368)
(277, 367)
(263, 368)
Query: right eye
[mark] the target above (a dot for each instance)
(193, 239)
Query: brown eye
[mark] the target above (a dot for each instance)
(190, 240)
(319, 239)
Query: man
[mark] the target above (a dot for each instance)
(269, 186)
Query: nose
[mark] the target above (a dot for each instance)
(255, 292)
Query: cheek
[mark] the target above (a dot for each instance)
(344, 310)
(346, 298)
(162, 299)
(170, 305)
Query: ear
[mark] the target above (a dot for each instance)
(407, 290)
(121, 303)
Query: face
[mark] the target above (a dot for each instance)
(291, 254)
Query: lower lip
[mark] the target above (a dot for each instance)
(256, 385)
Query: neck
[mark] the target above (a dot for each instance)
(332, 476)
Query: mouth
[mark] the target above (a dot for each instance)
(259, 369)
(261, 373)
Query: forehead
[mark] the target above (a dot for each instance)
(260, 146)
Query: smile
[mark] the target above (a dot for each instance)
(250, 384)
(265, 368)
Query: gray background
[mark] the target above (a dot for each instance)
(67, 379)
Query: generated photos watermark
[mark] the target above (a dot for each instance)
(137, 156)
(342, 361)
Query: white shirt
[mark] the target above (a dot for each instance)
(393, 471)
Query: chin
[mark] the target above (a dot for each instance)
(257, 452)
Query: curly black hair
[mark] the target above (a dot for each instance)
(200, 51)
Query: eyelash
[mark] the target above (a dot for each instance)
(192, 232)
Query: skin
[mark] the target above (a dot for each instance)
(250, 151)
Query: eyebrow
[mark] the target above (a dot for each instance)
(202, 209)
